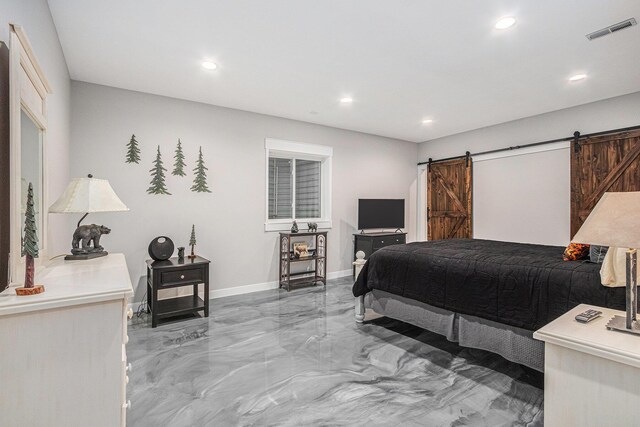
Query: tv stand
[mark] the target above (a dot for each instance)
(398, 230)
(371, 242)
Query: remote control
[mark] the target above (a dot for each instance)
(588, 316)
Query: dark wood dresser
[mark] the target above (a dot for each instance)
(174, 273)
(371, 242)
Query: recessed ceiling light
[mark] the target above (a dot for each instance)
(506, 22)
(577, 77)
(209, 65)
(427, 121)
(346, 100)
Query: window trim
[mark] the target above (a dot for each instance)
(303, 151)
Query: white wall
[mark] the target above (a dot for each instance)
(526, 197)
(230, 221)
(35, 17)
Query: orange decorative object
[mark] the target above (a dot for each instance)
(37, 289)
(576, 252)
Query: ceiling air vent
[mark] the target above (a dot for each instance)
(612, 29)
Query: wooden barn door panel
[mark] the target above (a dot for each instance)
(449, 200)
(600, 164)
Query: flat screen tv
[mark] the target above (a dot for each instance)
(380, 213)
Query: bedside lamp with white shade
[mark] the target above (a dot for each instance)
(88, 195)
(615, 222)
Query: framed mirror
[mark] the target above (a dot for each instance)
(28, 90)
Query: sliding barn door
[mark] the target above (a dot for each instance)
(449, 212)
(600, 164)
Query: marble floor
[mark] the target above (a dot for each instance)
(274, 358)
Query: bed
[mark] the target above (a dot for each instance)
(481, 293)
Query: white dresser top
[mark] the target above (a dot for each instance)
(71, 283)
(592, 338)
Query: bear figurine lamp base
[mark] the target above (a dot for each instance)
(88, 195)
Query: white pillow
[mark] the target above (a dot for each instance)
(613, 272)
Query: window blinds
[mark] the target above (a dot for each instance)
(280, 188)
(307, 189)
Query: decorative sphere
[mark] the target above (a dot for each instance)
(359, 255)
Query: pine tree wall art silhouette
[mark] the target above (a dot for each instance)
(30, 239)
(158, 185)
(200, 179)
(133, 151)
(178, 164)
(192, 241)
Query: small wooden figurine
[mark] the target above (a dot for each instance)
(294, 227)
(312, 227)
(192, 241)
(30, 248)
(181, 253)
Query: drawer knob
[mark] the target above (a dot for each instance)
(126, 405)
(130, 313)
(129, 367)
(182, 276)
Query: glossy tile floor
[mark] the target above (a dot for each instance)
(298, 359)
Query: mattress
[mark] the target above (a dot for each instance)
(516, 284)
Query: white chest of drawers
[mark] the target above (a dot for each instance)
(62, 353)
(591, 374)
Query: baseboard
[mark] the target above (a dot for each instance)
(239, 290)
(256, 287)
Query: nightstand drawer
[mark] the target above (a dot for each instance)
(170, 278)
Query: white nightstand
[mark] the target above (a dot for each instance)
(592, 375)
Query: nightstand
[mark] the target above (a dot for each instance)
(175, 273)
(592, 374)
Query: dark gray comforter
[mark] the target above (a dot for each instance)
(517, 284)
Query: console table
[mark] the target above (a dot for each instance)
(175, 273)
(371, 242)
(287, 259)
(591, 374)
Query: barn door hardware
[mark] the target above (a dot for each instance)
(467, 157)
(429, 164)
(576, 142)
(575, 137)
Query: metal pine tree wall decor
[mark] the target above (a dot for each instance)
(192, 241)
(30, 248)
(133, 151)
(200, 179)
(178, 164)
(158, 185)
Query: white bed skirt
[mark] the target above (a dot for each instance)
(514, 344)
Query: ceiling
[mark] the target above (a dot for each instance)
(400, 61)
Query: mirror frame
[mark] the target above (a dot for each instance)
(28, 87)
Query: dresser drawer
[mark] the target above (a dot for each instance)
(381, 242)
(170, 278)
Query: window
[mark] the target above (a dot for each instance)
(298, 184)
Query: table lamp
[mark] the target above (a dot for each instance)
(615, 222)
(88, 195)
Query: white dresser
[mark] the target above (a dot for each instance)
(592, 375)
(62, 353)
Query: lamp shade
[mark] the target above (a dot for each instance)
(87, 195)
(615, 221)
